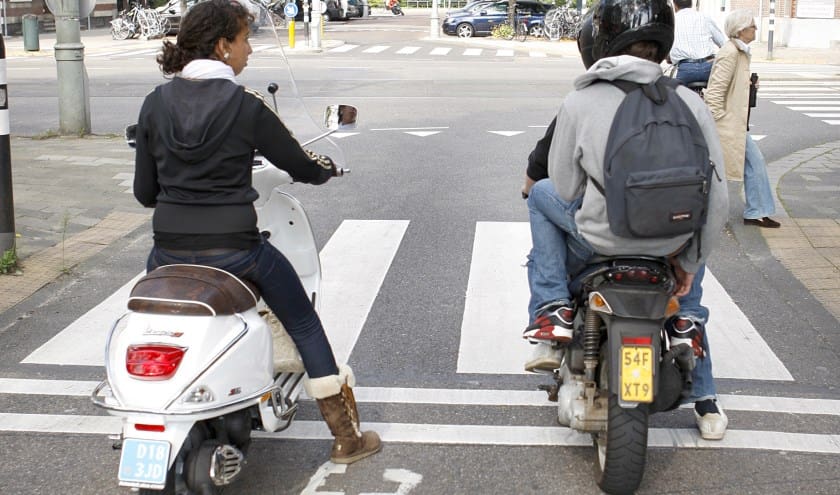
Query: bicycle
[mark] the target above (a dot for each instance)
(519, 26)
(561, 22)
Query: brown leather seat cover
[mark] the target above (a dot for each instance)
(192, 290)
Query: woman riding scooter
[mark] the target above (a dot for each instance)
(195, 143)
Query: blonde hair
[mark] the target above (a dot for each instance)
(737, 21)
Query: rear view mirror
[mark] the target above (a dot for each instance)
(340, 117)
(131, 135)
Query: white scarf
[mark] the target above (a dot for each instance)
(204, 68)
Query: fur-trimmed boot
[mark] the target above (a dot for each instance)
(338, 407)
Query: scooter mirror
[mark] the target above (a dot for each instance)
(130, 135)
(340, 117)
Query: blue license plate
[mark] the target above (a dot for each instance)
(144, 462)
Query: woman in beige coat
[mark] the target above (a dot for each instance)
(728, 98)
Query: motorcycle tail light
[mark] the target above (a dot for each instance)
(647, 340)
(672, 307)
(153, 362)
(598, 303)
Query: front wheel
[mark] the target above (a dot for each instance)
(522, 32)
(622, 449)
(465, 30)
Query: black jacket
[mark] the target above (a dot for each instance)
(194, 153)
(538, 159)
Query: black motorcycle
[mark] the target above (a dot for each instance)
(619, 367)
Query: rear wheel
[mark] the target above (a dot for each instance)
(536, 31)
(622, 449)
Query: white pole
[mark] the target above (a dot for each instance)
(434, 21)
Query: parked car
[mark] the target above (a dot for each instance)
(483, 17)
(358, 8)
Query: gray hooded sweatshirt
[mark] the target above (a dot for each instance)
(577, 151)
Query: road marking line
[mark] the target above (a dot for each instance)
(472, 52)
(376, 49)
(354, 263)
(495, 309)
(462, 434)
(504, 53)
(537, 54)
(815, 109)
(457, 397)
(495, 312)
(807, 102)
(422, 133)
(407, 128)
(440, 51)
(832, 122)
(823, 115)
(506, 133)
(408, 50)
(343, 48)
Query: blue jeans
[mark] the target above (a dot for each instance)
(281, 289)
(693, 71)
(558, 250)
(690, 307)
(757, 193)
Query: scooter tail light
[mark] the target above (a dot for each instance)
(153, 362)
(155, 428)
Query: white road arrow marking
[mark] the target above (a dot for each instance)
(506, 133)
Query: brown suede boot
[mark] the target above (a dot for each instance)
(340, 413)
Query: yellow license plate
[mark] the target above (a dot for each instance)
(636, 374)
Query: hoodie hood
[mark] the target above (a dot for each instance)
(199, 114)
(625, 67)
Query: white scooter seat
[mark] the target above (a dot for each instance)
(192, 290)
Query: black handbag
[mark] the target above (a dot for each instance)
(753, 89)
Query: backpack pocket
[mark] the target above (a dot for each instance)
(665, 203)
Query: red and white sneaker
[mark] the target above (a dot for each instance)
(685, 331)
(554, 325)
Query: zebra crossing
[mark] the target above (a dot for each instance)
(434, 52)
(356, 260)
(819, 99)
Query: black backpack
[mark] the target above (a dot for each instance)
(656, 166)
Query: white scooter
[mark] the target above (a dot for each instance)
(197, 362)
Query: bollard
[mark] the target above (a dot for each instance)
(30, 33)
(7, 208)
(292, 34)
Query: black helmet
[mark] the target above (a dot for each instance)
(585, 41)
(617, 24)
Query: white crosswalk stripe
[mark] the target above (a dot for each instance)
(356, 260)
(812, 98)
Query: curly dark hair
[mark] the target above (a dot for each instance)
(201, 28)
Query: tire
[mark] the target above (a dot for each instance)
(522, 32)
(120, 31)
(465, 30)
(536, 31)
(622, 450)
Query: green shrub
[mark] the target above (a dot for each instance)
(503, 31)
(8, 262)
